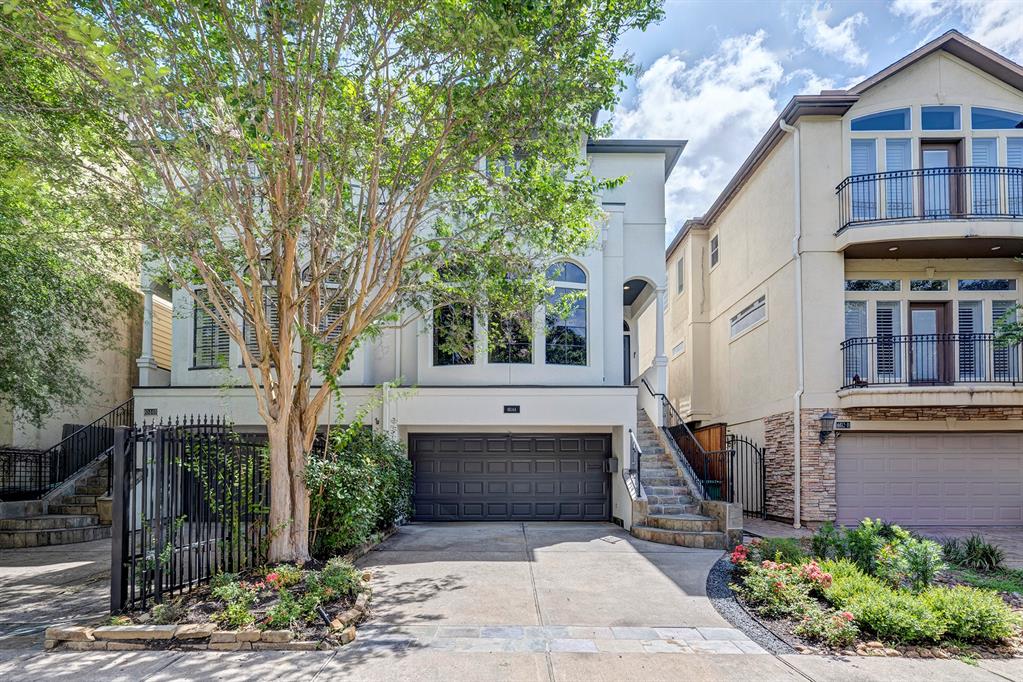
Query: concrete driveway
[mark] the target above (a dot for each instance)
(537, 574)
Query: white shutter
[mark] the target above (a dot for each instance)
(971, 348)
(1014, 160)
(985, 185)
(888, 348)
(898, 189)
(856, 351)
(863, 190)
(1006, 360)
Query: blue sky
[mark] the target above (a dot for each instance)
(716, 72)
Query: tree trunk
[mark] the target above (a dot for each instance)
(289, 498)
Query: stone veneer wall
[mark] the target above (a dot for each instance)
(818, 486)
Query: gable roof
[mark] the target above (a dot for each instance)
(837, 102)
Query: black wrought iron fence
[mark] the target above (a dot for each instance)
(191, 500)
(30, 474)
(981, 192)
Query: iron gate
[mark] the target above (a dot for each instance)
(749, 475)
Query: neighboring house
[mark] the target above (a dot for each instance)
(523, 429)
(855, 267)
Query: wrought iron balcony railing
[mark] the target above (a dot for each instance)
(930, 360)
(957, 193)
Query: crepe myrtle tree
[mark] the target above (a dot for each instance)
(309, 170)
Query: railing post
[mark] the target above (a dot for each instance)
(119, 526)
(158, 493)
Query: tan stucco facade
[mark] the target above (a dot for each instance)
(779, 236)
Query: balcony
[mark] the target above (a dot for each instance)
(923, 360)
(931, 194)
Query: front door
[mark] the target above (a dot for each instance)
(929, 354)
(940, 182)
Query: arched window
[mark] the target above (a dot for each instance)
(895, 119)
(566, 315)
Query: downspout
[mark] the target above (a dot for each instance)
(797, 397)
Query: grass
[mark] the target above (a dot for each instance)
(1002, 580)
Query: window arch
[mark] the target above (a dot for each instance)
(566, 339)
(893, 119)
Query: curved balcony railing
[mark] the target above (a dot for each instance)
(930, 360)
(956, 193)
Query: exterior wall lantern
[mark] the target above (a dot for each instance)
(827, 425)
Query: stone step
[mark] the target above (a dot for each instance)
(655, 481)
(699, 540)
(658, 472)
(73, 509)
(102, 481)
(14, 539)
(78, 499)
(675, 500)
(94, 490)
(49, 522)
(672, 509)
(688, 523)
(666, 490)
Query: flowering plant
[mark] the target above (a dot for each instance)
(739, 555)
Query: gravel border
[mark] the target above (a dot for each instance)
(720, 595)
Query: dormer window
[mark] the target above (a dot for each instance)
(894, 119)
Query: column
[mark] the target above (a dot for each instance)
(660, 357)
(146, 362)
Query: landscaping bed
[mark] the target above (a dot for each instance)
(312, 606)
(875, 590)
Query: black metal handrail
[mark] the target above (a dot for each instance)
(953, 193)
(930, 359)
(27, 475)
(635, 456)
(689, 448)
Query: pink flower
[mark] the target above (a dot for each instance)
(848, 616)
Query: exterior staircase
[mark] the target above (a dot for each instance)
(70, 515)
(670, 514)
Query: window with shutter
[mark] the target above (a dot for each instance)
(272, 318)
(1014, 160)
(211, 343)
(898, 189)
(863, 192)
(856, 356)
(971, 352)
(1006, 362)
(985, 185)
(889, 363)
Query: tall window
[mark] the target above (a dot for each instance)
(272, 319)
(453, 335)
(715, 253)
(566, 315)
(210, 342)
(509, 339)
(680, 275)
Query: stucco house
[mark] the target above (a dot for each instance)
(837, 302)
(540, 429)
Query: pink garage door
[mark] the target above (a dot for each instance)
(931, 478)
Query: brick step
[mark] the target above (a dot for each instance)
(73, 509)
(13, 539)
(699, 540)
(672, 509)
(102, 481)
(49, 522)
(688, 523)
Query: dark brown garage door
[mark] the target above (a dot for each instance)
(491, 477)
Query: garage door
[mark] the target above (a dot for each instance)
(490, 477)
(931, 478)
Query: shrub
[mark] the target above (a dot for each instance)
(776, 590)
(283, 576)
(289, 611)
(847, 581)
(779, 550)
(971, 615)
(974, 552)
(337, 580)
(221, 579)
(923, 561)
(834, 628)
(235, 616)
(362, 483)
(864, 543)
(168, 613)
(828, 542)
(895, 615)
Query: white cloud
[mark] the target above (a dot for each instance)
(997, 24)
(837, 41)
(722, 104)
(812, 83)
